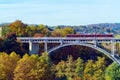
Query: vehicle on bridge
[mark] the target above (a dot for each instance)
(89, 35)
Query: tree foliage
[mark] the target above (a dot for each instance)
(35, 68)
(10, 44)
(23, 70)
(59, 32)
(31, 30)
(70, 69)
(18, 27)
(112, 72)
(99, 69)
(7, 65)
(89, 70)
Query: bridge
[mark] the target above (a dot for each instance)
(67, 41)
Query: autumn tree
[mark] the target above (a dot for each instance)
(30, 30)
(79, 69)
(89, 70)
(99, 69)
(5, 30)
(60, 70)
(57, 33)
(10, 44)
(43, 69)
(18, 27)
(43, 29)
(38, 35)
(7, 65)
(62, 32)
(33, 68)
(68, 30)
(25, 67)
(70, 69)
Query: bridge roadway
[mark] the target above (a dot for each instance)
(66, 41)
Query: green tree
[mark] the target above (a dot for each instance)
(112, 72)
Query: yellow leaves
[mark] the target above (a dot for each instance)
(24, 67)
(7, 64)
(95, 70)
(68, 30)
(32, 67)
(62, 32)
(57, 33)
(18, 27)
(35, 67)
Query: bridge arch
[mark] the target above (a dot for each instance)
(87, 45)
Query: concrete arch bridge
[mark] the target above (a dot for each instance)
(68, 41)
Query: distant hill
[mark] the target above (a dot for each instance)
(106, 27)
(114, 26)
(103, 28)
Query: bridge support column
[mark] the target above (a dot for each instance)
(45, 46)
(113, 48)
(33, 48)
(95, 43)
(117, 48)
(61, 42)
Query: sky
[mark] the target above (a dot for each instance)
(60, 12)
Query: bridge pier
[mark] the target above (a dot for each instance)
(61, 42)
(33, 48)
(45, 46)
(95, 43)
(113, 48)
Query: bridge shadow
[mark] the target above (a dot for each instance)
(85, 53)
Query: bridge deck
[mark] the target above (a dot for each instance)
(66, 39)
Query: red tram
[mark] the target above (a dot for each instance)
(89, 35)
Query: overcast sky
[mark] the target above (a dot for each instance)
(60, 12)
